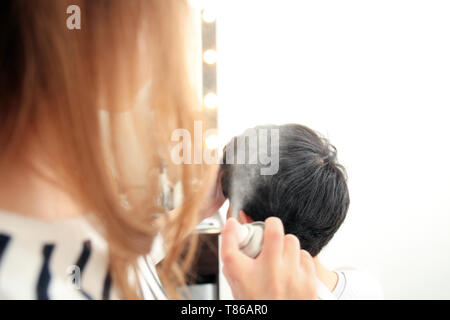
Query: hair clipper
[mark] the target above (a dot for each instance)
(251, 237)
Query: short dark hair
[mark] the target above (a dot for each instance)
(308, 193)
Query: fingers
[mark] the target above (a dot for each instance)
(216, 185)
(219, 192)
(234, 261)
(211, 190)
(272, 249)
(229, 239)
(292, 249)
(216, 174)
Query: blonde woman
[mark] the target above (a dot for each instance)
(79, 166)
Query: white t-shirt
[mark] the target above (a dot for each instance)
(356, 284)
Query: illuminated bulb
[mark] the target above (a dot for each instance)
(211, 100)
(209, 14)
(203, 4)
(210, 56)
(212, 142)
(197, 4)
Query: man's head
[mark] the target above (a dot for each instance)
(308, 193)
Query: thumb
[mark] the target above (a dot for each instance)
(235, 262)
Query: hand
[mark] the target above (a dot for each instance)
(212, 200)
(212, 189)
(281, 271)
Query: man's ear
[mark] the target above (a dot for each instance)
(244, 218)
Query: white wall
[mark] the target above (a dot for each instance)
(373, 76)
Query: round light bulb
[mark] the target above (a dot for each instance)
(211, 100)
(212, 142)
(210, 56)
(209, 14)
(197, 4)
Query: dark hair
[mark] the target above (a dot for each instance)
(308, 193)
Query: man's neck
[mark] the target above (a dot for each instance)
(327, 277)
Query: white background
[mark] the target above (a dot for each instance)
(374, 77)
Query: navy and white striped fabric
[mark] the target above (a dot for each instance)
(65, 259)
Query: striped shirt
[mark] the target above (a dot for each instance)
(64, 259)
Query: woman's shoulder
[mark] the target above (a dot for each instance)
(63, 259)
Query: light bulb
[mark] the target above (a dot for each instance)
(212, 141)
(197, 4)
(211, 100)
(210, 56)
(209, 14)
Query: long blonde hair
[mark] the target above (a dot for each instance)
(52, 84)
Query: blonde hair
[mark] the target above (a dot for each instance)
(53, 82)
